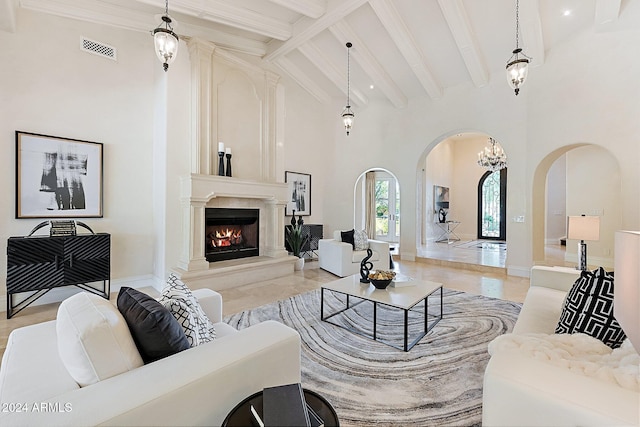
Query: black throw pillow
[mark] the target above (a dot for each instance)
(347, 237)
(155, 331)
(588, 309)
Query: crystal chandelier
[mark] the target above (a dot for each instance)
(518, 65)
(347, 114)
(492, 158)
(165, 40)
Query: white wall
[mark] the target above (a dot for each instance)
(556, 217)
(49, 86)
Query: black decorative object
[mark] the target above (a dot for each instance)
(228, 164)
(221, 163)
(380, 284)
(293, 218)
(300, 220)
(442, 215)
(365, 267)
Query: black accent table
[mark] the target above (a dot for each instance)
(38, 264)
(241, 414)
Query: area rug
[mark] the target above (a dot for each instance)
(438, 382)
(492, 245)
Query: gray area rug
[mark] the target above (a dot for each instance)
(438, 382)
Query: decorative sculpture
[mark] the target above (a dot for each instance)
(365, 267)
(228, 163)
(221, 163)
(293, 218)
(442, 215)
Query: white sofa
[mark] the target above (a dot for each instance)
(198, 386)
(339, 258)
(522, 390)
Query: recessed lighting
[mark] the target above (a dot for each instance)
(566, 12)
(370, 86)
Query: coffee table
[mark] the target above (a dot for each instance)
(403, 298)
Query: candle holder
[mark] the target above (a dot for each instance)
(221, 163)
(228, 164)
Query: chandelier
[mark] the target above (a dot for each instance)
(165, 40)
(518, 65)
(347, 114)
(492, 158)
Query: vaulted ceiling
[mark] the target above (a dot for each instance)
(401, 48)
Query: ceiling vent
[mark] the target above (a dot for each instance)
(98, 48)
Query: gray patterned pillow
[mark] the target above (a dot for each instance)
(179, 300)
(360, 240)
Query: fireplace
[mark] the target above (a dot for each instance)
(231, 233)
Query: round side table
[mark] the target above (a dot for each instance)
(240, 416)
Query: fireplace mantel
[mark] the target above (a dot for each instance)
(199, 191)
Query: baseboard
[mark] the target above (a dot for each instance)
(518, 271)
(592, 261)
(407, 256)
(59, 294)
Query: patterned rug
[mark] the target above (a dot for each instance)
(495, 245)
(438, 382)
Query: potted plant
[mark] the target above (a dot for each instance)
(296, 241)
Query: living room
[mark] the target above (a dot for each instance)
(158, 127)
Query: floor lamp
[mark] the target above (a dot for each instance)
(626, 289)
(583, 228)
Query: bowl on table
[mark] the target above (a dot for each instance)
(381, 279)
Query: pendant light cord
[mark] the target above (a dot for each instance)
(348, 74)
(166, 7)
(517, 24)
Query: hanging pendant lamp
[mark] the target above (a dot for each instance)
(165, 40)
(347, 114)
(518, 65)
(492, 158)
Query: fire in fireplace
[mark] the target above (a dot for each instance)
(231, 233)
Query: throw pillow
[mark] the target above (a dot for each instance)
(156, 332)
(347, 237)
(94, 342)
(588, 309)
(360, 240)
(179, 300)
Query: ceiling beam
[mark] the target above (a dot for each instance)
(226, 13)
(607, 11)
(391, 20)
(311, 8)
(458, 21)
(305, 29)
(363, 56)
(531, 32)
(8, 9)
(329, 69)
(302, 79)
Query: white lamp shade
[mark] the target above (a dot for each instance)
(583, 227)
(626, 287)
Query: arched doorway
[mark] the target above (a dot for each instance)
(492, 205)
(377, 205)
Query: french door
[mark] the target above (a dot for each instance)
(387, 209)
(492, 205)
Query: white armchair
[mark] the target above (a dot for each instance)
(339, 258)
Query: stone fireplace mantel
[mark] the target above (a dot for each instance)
(197, 192)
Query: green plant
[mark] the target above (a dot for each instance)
(296, 239)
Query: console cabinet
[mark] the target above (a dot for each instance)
(37, 264)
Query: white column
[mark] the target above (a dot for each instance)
(193, 221)
(269, 127)
(274, 214)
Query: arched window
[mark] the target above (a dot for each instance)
(492, 205)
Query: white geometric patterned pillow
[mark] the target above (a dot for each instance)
(179, 300)
(360, 240)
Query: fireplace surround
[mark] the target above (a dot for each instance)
(231, 233)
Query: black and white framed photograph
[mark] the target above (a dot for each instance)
(57, 177)
(299, 193)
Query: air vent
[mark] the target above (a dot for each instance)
(98, 48)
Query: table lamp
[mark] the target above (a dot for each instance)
(626, 288)
(583, 228)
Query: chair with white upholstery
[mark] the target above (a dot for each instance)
(341, 259)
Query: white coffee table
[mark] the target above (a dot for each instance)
(403, 298)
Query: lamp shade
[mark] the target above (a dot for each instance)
(626, 289)
(583, 227)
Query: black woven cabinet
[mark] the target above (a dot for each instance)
(314, 231)
(37, 264)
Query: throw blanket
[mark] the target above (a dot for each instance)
(578, 352)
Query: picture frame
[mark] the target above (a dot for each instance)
(299, 192)
(58, 177)
(440, 197)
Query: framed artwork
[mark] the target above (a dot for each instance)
(440, 198)
(57, 177)
(299, 193)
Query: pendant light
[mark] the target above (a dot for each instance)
(165, 40)
(518, 65)
(347, 114)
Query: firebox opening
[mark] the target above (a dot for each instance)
(231, 233)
